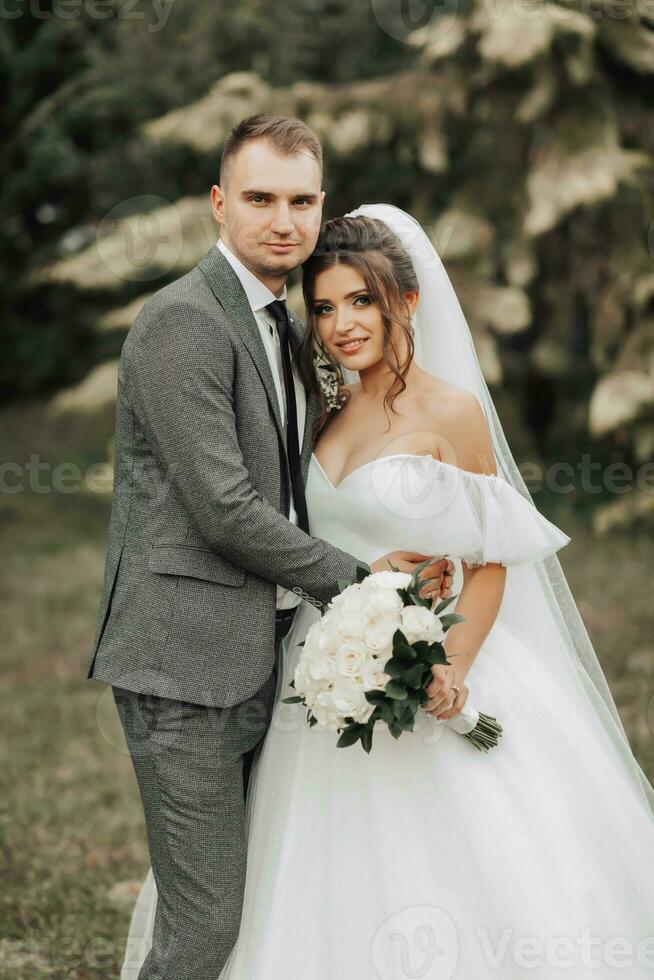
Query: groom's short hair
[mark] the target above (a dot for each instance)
(285, 134)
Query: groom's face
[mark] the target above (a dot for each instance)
(269, 208)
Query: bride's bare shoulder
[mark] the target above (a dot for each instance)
(459, 419)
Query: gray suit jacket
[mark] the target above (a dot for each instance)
(198, 539)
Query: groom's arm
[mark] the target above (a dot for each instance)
(179, 368)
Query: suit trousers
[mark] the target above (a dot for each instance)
(192, 764)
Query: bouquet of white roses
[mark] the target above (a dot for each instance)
(370, 658)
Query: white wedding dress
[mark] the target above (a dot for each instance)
(428, 858)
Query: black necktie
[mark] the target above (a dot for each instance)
(278, 310)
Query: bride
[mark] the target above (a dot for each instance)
(428, 858)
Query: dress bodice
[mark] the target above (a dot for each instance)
(418, 503)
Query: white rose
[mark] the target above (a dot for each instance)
(386, 601)
(387, 580)
(354, 599)
(329, 637)
(351, 659)
(354, 705)
(327, 717)
(379, 635)
(341, 596)
(374, 678)
(325, 711)
(312, 637)
(352, 625)
(319, 668)
(420, 623)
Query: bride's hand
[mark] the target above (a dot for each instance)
(445, 703)
(437, 576)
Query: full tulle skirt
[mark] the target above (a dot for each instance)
(428, 858)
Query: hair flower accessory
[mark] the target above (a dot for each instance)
(331, 383)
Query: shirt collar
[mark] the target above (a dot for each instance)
(258, 294)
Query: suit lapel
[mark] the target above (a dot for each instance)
(312, 401)
(227, 288)
(313, 405)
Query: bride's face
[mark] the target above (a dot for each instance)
(350, 324)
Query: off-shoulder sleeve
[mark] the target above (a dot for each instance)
(511, 529)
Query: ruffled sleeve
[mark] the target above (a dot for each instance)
(511, 530)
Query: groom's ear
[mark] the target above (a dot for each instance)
(218, 203)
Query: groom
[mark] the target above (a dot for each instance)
(209, 548)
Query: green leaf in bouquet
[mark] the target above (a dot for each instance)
(422, 695)
(396, 691)
(366, 738)
(405, 652)
(399, 638)
(361, 574)
(414, 676)
(444, 604)
(437, 655)
(402, 711)
(451, 619)
(312, 721)
(343, 584)
(406, 709)
(396, 666)
(374, 697)
(419, 600)
(423, 564)
(386, 711)
(296, 699)
(350, 735)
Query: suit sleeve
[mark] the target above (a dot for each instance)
(179, 370)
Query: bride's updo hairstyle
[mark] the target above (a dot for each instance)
(369, 246)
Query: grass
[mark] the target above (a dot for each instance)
(72, 839)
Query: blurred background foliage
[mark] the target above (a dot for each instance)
(521, 134)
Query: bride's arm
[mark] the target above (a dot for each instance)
(479, 601)
(483, 586)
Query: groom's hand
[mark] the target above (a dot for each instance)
(437, 576)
